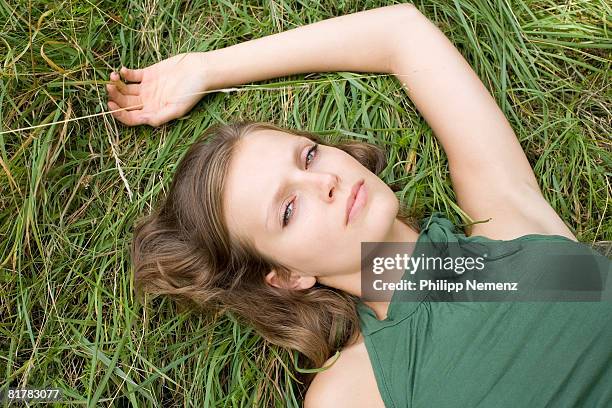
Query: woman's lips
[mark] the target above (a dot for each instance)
(356, 201)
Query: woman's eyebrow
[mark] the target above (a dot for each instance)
(280, 191)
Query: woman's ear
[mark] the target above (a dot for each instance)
(296, 281)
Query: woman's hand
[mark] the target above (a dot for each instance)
(160, 92)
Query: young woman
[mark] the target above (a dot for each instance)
(262, 221)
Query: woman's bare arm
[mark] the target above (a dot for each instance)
(358, 42)
(491, 175)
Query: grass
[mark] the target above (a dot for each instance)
(70, 191)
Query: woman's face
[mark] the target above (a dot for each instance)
(275, 177)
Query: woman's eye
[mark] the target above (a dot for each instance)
(287, 213)
(312, 150)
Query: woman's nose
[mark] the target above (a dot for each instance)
(327, 185)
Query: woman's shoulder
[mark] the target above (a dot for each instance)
(349, 382)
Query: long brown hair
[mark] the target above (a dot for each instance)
(184, 250)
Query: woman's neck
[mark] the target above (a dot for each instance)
(351, 283)
(400, 232)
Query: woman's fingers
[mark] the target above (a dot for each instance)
(130, 89)
(133, 75)
(166, 114)
(125, 99)
(129, 102)
(138, 117)
(130, 118)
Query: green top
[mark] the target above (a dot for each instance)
(434, 352)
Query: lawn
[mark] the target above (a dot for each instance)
(73, 180)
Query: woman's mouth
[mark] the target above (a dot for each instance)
(356, 201)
